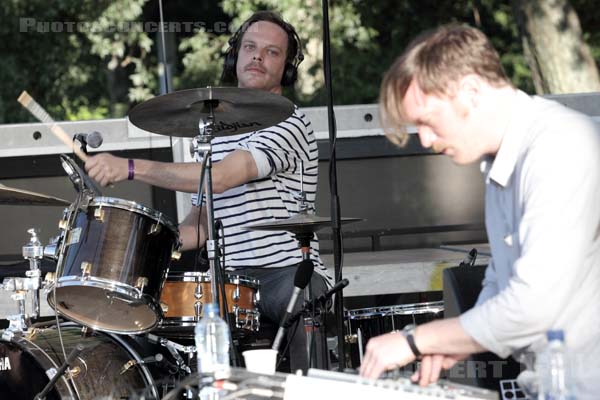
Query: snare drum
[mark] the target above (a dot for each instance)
(365, 323)
(112, 265)
(185, 293)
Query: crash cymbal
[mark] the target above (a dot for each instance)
(236, 111)
(20, 197)
(298, 224)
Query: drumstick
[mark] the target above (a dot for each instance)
(37, 111)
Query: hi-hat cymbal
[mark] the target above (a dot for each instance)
(235, 110)
(20, 197)
(299, 224)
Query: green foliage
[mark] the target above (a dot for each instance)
(101, 73)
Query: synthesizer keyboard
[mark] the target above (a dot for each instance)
(321, 384)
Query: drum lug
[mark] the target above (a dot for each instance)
(236, 293)
(175, 255)
(63, 224)
(86, 270)
(351, 338)
(141, 283)
(198, 308)
(99, 214)
(164, 307)
(74, 372)
(236, 313)
(256, 298)
(256, 320)
(155, 228)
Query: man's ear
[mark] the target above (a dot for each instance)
(469, 91)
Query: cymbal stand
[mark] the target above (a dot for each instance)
(203, 148)
(34, 252)
(304, 238)
(20, 322)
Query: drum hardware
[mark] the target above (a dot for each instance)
(109, 284)
(198, 302)
(236, 292)
(185, 294)
(174, 349)
(140, 283)
(60, 372)
(86, 270)
(176, 255)
(154, 229)
(99, 214)
(303, 225)
(34, 252)
(20, 322)
(363, 324)
(164, 307)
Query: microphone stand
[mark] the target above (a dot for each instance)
(335, 201)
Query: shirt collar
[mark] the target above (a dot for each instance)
(505, 161)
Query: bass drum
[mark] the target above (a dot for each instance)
(107, 368)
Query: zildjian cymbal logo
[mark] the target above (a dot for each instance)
(233, 126)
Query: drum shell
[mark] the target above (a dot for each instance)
(98, 367)
(127, 250)
(179, 297)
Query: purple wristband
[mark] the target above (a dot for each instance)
(131, 170)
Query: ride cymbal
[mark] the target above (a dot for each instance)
(21, 197)
(236, 111)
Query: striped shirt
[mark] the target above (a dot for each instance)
(281, 153)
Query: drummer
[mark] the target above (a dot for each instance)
(255, 177)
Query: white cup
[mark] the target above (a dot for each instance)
(261, 361)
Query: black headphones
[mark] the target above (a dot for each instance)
(294, 54)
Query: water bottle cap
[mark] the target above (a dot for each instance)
(211, 308)
(555, 335)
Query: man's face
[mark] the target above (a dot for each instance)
(261, 57)
(444, 123)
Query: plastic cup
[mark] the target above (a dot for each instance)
(262, 361)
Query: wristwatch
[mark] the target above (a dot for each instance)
(409, 332)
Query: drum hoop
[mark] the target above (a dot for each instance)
(120, 289)
(433, 307)
(137, 208)
(49, 361)
(111, 337)
(145, 371)
(191, 276)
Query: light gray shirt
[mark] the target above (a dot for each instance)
(543, 224)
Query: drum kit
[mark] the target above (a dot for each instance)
(112, 287)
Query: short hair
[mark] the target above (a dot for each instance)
(293, 57)
(436, 60)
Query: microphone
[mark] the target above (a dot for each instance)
(92, 139)
(80, 179)
(469, 260)
(301, 279)
(334, 289)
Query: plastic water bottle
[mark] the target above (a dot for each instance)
(212, 342)
(553, 369)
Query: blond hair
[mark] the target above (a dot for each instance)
(436, 60)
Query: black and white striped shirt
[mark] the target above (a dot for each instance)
(280, 153)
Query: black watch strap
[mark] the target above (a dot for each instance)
(410, 339)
